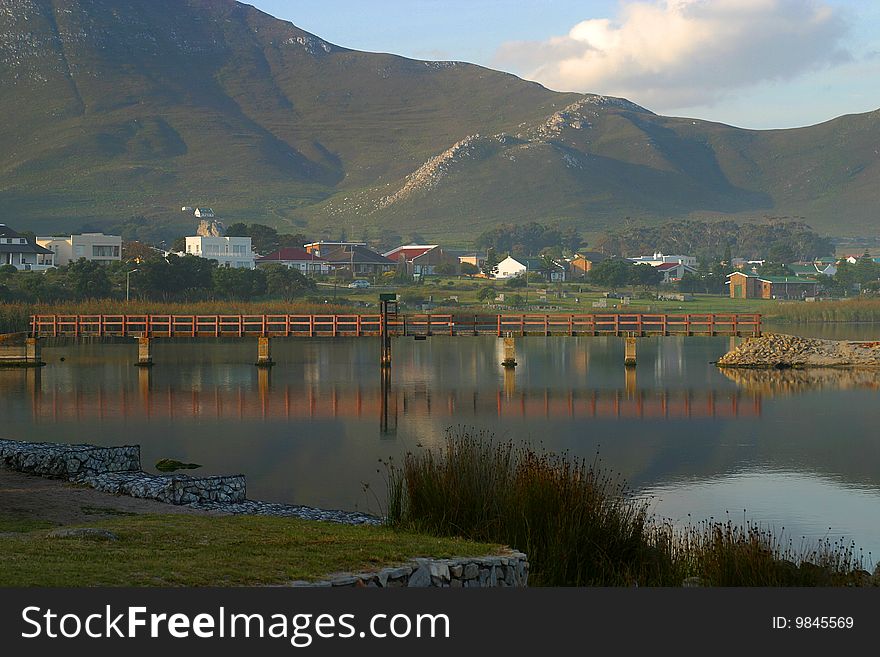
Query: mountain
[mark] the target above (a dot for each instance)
(119, 112)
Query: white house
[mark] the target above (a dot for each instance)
(234, 252)
(96, 247)
(204, 213)
(18, 251)
(510, 267)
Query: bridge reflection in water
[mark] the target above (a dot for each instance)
(54, 402)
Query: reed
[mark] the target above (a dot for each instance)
(581, 525)
(852, 310)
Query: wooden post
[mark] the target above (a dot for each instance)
(264, 352)
(629, 357)
(145, 352)
(509, 352)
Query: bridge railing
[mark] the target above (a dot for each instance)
(330, 325)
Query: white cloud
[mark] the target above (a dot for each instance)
(683, 53)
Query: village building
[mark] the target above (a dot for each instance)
(582, 263)
(295, 258)
(358, 260)
(322, 247)
(96, 247)
(420, 259)
(204, 213)
(512, 267)
(752, 286)
(674, 271)
(232, 252)
(660, 259)
(21, 253)
(474, 259)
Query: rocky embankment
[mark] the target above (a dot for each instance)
(775, 350)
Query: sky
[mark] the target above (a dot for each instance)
(750, 63)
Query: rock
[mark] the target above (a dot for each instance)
(471, 571)
(420, 578)
(89, 533)
(439, 570)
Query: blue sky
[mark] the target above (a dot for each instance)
(750, 63)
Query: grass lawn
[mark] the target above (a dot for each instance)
(193, 550)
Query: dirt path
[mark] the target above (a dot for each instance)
(63, 503)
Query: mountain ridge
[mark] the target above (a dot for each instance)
(119, 109)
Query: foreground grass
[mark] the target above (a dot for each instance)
(192, 550)
(14, 523)
(581, 526)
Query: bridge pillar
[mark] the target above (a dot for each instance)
(33, 352)
(509, 352)
(264, 353)
(145, 352)
(629, 354)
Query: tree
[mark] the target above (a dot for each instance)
(613, 272)
(447, 269)
(487, 293)
(645, 276)
(528, 239)
(87, 279)
(547, 266)
(135, 251)
(469, 269)
(774, 268)
(239, 283)
(287, 283)
(490, 265)
(174, 277)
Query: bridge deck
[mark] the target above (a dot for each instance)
(460, 324)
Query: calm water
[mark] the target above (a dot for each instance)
(787, 449)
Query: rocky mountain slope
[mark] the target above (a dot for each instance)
(115, 109)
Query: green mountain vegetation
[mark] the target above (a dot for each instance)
(119, 112)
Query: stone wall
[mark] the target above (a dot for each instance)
(118, 470)
(171, 489)
(510, 569)
(68, 461)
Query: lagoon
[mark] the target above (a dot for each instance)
(784, 449)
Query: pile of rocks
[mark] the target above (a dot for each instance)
(774, 350)
(508, 569)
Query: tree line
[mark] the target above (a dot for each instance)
(171, 278)
(780, 239)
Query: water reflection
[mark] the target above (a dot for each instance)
(55, 401)
(788, 382)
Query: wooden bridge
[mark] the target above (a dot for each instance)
(146, 328)
(422, 325)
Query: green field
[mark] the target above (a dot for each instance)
(191, 550)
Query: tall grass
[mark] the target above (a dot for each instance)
(581, 525)
(852, 310)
